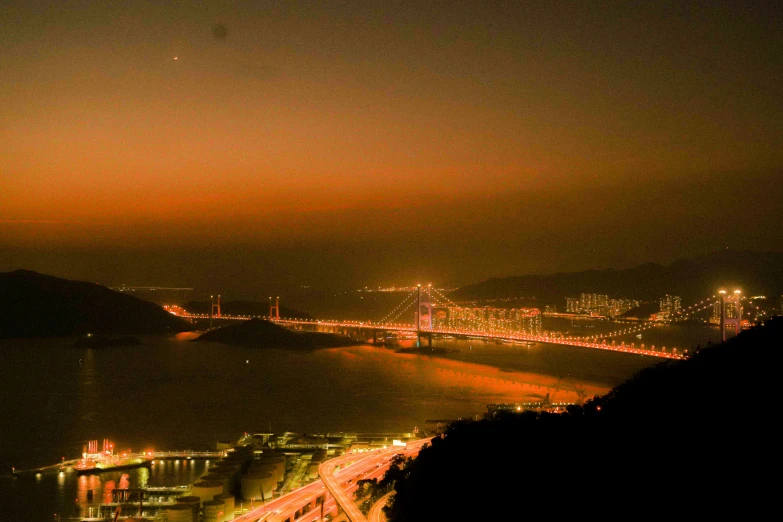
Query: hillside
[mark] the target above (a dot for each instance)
(686, 437)
(240, 307)
(37, 305)
(692, 278)
(259, 333)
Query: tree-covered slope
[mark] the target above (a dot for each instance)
(698, 437)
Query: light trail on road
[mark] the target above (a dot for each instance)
(354, 466)
(333, 482)
(376, 513)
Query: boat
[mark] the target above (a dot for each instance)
(94, 461)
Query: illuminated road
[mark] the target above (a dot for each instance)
(376, 513)
(458, 332)
(302, 503)
(334, 482)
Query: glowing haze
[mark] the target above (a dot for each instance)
(244, 145)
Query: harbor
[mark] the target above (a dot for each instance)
(94, 461)
(215, 486)
(302, 393)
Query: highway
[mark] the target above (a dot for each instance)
(334, 482)
(354, 467)
(376, 513)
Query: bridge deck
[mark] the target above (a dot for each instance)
(506, 336)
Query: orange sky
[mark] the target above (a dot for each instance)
(310, 116)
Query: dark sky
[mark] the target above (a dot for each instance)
(243, 146)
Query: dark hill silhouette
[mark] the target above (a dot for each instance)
(643, 311)
(686, 438)
(261, 333)
(37, 305)
(692, 278)
(254, 308)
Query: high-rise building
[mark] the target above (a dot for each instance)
(440, 317)
(586, 302)
(496, 320)
(715, 313)
(599, 304)
(671, 304)
(731, 312)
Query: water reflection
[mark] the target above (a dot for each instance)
(142, 478)
(88, 493)
(107, 489)
(192, 391)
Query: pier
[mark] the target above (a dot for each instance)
(146, 456)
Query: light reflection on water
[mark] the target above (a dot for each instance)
(73, 495)
(172, 394)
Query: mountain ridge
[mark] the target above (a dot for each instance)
(39, 305)
(693, 278)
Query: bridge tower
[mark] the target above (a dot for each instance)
(424, 314)
(423, 318)
(215, 307)
(274, 309)
(730, 312)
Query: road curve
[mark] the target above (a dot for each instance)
(342, 497)
(355, 467)
(376, 512)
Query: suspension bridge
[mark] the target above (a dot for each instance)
(424, 299)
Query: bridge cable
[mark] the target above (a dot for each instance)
(412, 303)
(404, 301)
(684, 315)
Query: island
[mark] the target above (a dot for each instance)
(260, 333)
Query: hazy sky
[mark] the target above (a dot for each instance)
(247, 145)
